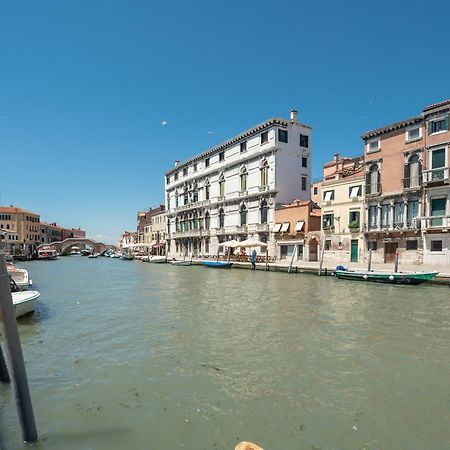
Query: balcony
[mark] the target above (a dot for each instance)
(410, 225)
(262, 227)
(192, 206)
(436, 222)
(263, 188)
(190, 233)
(328, 228)
(243, 193)
(436, 176)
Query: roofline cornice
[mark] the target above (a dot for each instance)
(274, 121)
(392, 127)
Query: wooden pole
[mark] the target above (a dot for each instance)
(267, 258)
(396, 261)
(15, 357)
(322, 254)
(293, 256)
(4, 375)
(369, 263)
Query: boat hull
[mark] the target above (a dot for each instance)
(386, 277)
(217, 264)
(180, 263)
(158, 260)
(24, 302)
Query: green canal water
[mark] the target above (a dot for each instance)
(126, 355)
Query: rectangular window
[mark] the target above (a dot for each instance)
(282, 135)
(327, 221)
(328, 196)
(304, 182)
(304, 140)
(304, 161)
(354, 191)
(315, 190)
(185, 172)
(438, 158)
(413, 213)
(436, 246)
(327, 244)
(175, 176)
(372, 217)
(207, 162)
(206, 192)
(243, 146)
(264, 137)
(372, 245)
(411, 244)
(373, 145)
(437, 210)
(353, 219)
(385, 216)
(222, 156)
(167, 180)
(195, 167)
(413, 133)
(437, 125)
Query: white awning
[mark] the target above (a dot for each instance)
(299, 226)
(354, 192)
(285, 227)
(327, 196)
(277, 227)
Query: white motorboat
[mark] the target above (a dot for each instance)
(179, 262)
(157, 259)
(23, 302)
(93, 255)
(20, 276)
(47, 253)
(75, 251)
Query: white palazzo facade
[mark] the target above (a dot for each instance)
(231, 191)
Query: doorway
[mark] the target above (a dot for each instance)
(390, 250)
(354, 251)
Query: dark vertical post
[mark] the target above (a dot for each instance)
(396, 261)
(15, 357)
(322, 254)
(369, 264)
(267, 258)
(4, 375)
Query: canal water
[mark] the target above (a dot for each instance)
(126, 355)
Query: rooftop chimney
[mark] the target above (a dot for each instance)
(336, 157)
(294, 114)
(177, 163)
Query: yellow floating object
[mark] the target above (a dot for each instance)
(248, 446)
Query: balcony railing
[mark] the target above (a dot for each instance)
(262, 227)
(411, 183)
(440, 175)
(190, 233)
(411, 224)
(373, 189)
(436, 221)
(192, 205)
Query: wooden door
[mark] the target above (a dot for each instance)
(390, 249)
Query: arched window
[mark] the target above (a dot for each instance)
(243, 179)
(221, 218)
(176, 199)
(177, 224)
(243, 214)
(207, 189)
(207, 221)
(412, 172)
(373, 180)
(264, 170)
(263, 212)
(221, 185)
(168, 226)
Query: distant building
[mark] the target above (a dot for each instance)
(8, 240)
(25, 225)
(144, 222)
(127, 238)
(78, 233)
(51, 232)
(342, 203)
(231, 190)
(316, 193)
(297, 225)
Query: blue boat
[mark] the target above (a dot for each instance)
(217, 264)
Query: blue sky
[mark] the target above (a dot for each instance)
(85, 86)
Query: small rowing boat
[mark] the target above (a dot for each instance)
(217, 264)
(413, 278)
(179, 262)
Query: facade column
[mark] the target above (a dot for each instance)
(366, 213)
(391, 214)
(405, 213)
(378, 216)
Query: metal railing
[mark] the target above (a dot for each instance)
(436, 175)
(412, 182)
(373, 189)
(436, 221)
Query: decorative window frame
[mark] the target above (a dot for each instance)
(413, 127)
(370, 141)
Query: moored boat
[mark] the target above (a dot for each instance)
(20, 276)
(412, 278)
(23, 302)
(217, 264)
(180, 262)
(157, 259)
(47, 253)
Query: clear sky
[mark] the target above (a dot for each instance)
(86, 85)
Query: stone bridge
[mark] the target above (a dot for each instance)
(64, 247)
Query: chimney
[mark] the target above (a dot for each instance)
(177, 163)
(336, 157)
(294, 114)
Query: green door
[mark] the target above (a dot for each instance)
(354, 251)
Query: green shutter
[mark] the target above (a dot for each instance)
(446, 122)
(406, 176)
(430, 126)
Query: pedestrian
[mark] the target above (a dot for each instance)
(253, 259)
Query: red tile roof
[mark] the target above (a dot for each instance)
(15, 209)
(437, 105)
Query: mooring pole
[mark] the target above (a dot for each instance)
(294, 252)
(322, 254)
(4, 375)
(396, 261)
(369, 264)
(15, 357)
